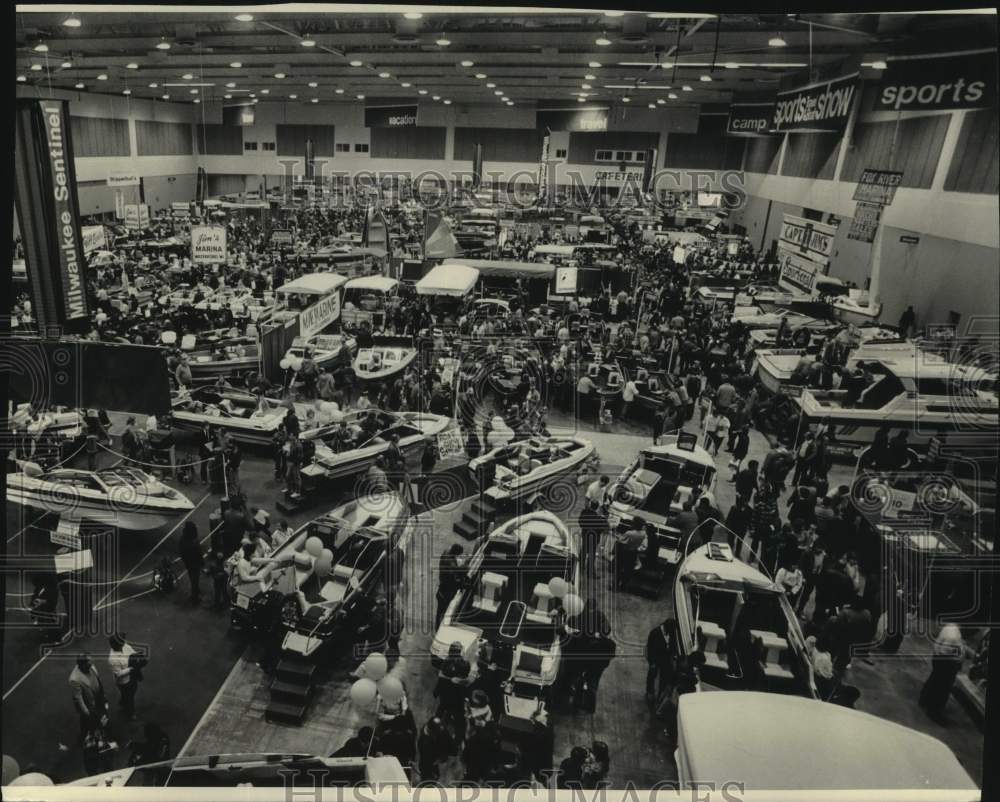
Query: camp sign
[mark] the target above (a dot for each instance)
(208, 244)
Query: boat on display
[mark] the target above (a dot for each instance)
(235, 412)
(717, 595)
(67, 425)
(186, 295)
(520, 469)
(767, 293)
(606, 376)
(755, 317)
(126, 497)
(656, 485)
(369, 440)
(227, 357)
(320, 602)
(384, 359)
(653, 385)
(507, 601)
(328, 350)
(927, 397)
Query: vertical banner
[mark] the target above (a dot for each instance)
(543, 169)
(865, 222)
(477, 167)
(310, 163)
(49, 211)
(201, 187)
(649, 169)
(119, 205)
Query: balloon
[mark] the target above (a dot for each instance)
(32, 778)
(284, 364)
(10, 770)
(363, 693)
(326, 556)
(558, 587)
(390, 689)
(321, 568)
(573, 604)
(314, 546)
(376, 665)
(295, 363)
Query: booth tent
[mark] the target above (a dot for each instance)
(452, 280)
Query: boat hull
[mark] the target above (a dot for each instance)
(99, 512)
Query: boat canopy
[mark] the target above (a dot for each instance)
(510, 269)
(790, 731)
(313, 284)
(451, 279)
(378, 283)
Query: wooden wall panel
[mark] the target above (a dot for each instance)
(975, 166)
(762, 155)
(220, 140)
(919, 141)
(95, 136)
(291, 140)
(811, 155)
(708, 149)
(163, 139)
(422, 142)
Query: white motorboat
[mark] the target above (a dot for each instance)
(525, 467)
(66, 424)
(236, 412)
(328, 350)
(126, 497)
(720, 603)
(508, 601)
(384, 359)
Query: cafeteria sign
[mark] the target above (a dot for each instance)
(208, 244)
(320, 315)
(820, 107)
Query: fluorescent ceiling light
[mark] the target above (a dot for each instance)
(339, 91)
(126, 91)
(498, 92)
(406, 85)
(687, 88)
(706, 78)
(165, 97)
(361, 97)
(672, 96)
(41, 47)
(660, 101)
(194, 91)
(435, 97)
(594, 65)
(279, 75)
(491, 86)
(72, 22)
(626, 99)
(602, 41)
(102, 77)
(81, 86)
(131, 66)
(244, 17)
(468, 63)
(314, 100)
(413, 15)
(290, 97)
(384, 75)
(313, 84)
(731, 65)
(585, 86)
(36, 67)
(356, 63)
(446, 102)
(581, 100)
(308, 43)
(443, 42)
(589, 77)
(67, 65)
(196, 100)
(614, 13)
(777, 41)
(421, 91)
(510, 102)
(235, 64)
(154, 86)
(163, 45)
(265, 91)
(677, 15)
(652, 105)
(683, 64)
(481, 76)
(231, 85)
(875, 65)
(22, 78)
(188, 76)
(228, 97)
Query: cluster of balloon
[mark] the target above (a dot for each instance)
(292, 362)
(561, 589)
(390, 689)
(314, 546)
(573, 604)
(363, 693)
(323, 564)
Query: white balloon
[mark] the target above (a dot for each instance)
(390, 689)
(11, 770)
(32, 778)
(573, 604)
(314, 546)
(363, 693)
(558, 587)
(376, 665)
(284, 364)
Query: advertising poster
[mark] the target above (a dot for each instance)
(208, 244)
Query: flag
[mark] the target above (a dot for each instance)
(649, 169)
(376, 231)
(439, 242)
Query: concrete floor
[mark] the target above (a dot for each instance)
(193, 652)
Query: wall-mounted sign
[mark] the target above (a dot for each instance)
(865, 222)
(391, 116)
(320, 315)
(820, 107)
(750, 119)
(967, 81)
(123, 180)
(208, 244)
(807, 237)
(798, 273)
(585, 118)
(877, 186)
(909, 239)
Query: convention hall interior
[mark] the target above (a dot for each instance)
(501, 397)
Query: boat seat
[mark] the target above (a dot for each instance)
(542, 599)
(491, 587)
(715, 655)
(342, 572)
(168, 337)
(654, 385)
(614, 381)
(773, 643)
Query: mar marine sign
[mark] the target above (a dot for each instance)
(208, 244)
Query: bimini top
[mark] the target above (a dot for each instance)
(771, 741)
(450, 279)
(378, 283)
(313, 284)
(501, 267)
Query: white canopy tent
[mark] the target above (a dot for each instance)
(313, 284)
(453, 280)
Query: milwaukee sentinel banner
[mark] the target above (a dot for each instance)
(750, 119)
(966, 81)
(391, 116)
(820, 107)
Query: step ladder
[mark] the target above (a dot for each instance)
(474, 520)
(291, 692)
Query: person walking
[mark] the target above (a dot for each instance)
(661, 649)
(189, 550)
(434, 745)
(627, 545)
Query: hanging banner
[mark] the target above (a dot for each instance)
(208, 244)
(967, 81)
(820, 107)
(750, 119)
(477, 166)
(391, 116)
(797, 271)
(865, 222)
(807, 237)
(877, 186)
(123, 180)
(136, 216)
(587, 118)
(543, 167)
(321, 314)
(94, 238)
(649, 168)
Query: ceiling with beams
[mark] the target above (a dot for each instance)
(467, 55)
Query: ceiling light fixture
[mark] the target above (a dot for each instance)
(165, 97)
(731, 65)
(357, 63)
(435, 97)
(706, 78)
(491, 86)
(196, 100)
(672, 96)
(360, 97)
(412, 15)
(188, 76)
(67, 65)
(231, 85)
(308, 42)
(594, 65)
(406, 85)
(154, 86)
(313, 84)
(581, 100)
(626, 99)
(290, 97)
(589, 77)
(244, 17)
(878, 65)
(131, 66)
(504, 98)
(446, 102)
(585, 86)
(339, 91)
(481, 76)
(265, 91)
(72, 22)
(384, 75)
(80, 86)
(614, 13)
(421, 91)
(22, 78)
(602, 41)
(777, 41)
(468, 63)
(126, 91)
(510, 102)
(314, 100)
(36, 67)
(498, 92)
(279, 75)
(255, 100)
(163, 44)
(102, 77)
(660, 101)
(687, 88)
(235, 64)
(194, 92)
(253, 94)
(443, 42)
(41, 47)
(652, 105)
(228, 97)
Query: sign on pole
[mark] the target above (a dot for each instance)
(208, 244)
(94, 238)
(320, 315)
(865, 222)
(877, 186)
(123, 180)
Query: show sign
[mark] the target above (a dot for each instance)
(588, 118)
(123, 180)
(65, 208)
(321, 314)
(820, 107)
(750, 119)
(810, 238)
(877, 186)
(391, 116)
(94, 238)
(208, 244)
(967, 81)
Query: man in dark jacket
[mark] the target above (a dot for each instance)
(746, 481)
(593, 525)
(661, 650)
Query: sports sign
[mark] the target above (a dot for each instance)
(877, 186)
(750, 119)
(208, 244)
(320, 315)
(391, 116)
(820, 107)
(965, 81)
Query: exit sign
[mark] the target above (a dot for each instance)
(907, 239)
